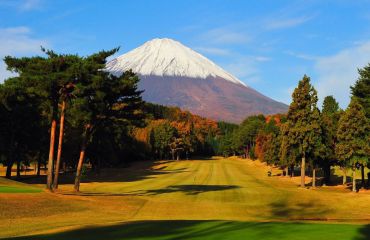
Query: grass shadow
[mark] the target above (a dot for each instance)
(186, 230)
(299, 211)
(191, 189)
(137, 172)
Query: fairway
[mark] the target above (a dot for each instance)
(191, 199)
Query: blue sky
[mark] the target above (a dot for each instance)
(269, 45)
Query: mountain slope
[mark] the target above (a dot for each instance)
(173, 74)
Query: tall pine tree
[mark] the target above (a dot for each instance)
(361, 89)
(353, 138)
(303, 126)
(329, 123)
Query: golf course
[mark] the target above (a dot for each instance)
(215, 198)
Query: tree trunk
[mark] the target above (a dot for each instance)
(327, 174)
(60, 143)
(9, 170)
(178, 156)
(10, 156)
(313, 177)
(38, 167)
(303, 173)
(49, 181)
(81, 159)
(173, 154)
(344, 176)
(362, 176)
(354, 179)
(292, 170)
(286, 170)
(18, 168)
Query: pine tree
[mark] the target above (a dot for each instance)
(288, 151)
(20, 123)
(329, 123)
(361, 89)
(46, 77)
(303, 127)
(161, 138)
(353, 138)
(103, 100)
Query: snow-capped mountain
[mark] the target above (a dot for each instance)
(167, 57)
(175, 75)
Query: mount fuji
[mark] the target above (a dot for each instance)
(174, 75)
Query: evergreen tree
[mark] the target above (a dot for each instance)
(245, 135)
(20, 123)
(353, 138)
(103, 100)
(272, 149)
(46, 77)
(329, 122)
(162, 137)
(303, 127)
(288, 152)
(361, 89)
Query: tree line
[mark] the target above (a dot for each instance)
(68, 93)
(64, 110)
(307, 136)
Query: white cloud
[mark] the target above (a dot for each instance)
(336, 73)
(27, 5)
(262, 59)
(273, 24)
(213, 51)
(244, 68)
(224, 36)
(302, 56)
(22, 5)
(17, 41)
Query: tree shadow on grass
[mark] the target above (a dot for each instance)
(187, 189)
(364, 232)
(299, 210)
(131, 174)
(191, 189)
(187, 230)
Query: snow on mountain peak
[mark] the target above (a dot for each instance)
(167, 57)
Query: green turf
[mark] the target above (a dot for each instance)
(165, 230)
(18, 189)
(236, 193)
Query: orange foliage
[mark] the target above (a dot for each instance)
(276, 117)
(262, 140)
(183, 121)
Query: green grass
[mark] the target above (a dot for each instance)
(203, 230)
(339, 172)
(9, 186)
(181, 200)
(19, 189)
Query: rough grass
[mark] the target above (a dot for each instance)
(215, 189)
